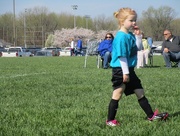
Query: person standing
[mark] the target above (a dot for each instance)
(105, 49)
(171, 48)
(79, 46)
(124, 59)
(72, 46)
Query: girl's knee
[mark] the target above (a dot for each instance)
(139, 93)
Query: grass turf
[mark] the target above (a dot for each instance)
(58, 96)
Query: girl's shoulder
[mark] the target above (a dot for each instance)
(121, 33)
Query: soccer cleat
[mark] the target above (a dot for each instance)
(163, 115)
(112, 123)
(156, 116)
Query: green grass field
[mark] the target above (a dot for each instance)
(56, 96)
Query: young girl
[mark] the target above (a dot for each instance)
(124, 59)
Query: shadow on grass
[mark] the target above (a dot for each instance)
(152, 66)
(174, 114)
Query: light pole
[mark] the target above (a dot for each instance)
(25, 28)
(14, 24)
(87, 16)
(74, 7)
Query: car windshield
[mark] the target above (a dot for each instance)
(14, 50)
(40, 53)
(43, 53)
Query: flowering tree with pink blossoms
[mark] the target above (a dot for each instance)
(62, 37)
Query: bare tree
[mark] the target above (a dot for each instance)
(175, 25)
(40, 23)
(103, 23)
(154, 21)
(6, 27)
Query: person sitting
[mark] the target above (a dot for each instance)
(105, 49)
(150, 41)
(138, 36)
(146, 49)
(171, 48)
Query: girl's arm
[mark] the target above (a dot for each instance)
(124, 65)
(125, 69)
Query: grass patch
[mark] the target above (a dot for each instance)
(58, 96)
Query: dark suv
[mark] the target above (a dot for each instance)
(55, 50)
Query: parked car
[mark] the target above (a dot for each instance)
(83, 51)
(55, 50)
(44, 53)
(33, 50)
(158, 49)
(65, 52)
(2, 49)
(16, 52)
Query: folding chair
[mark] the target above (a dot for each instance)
(151, 56)
(98, 61)
(174, 63)
(92, 46)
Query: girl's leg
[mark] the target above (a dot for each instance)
(113, 105)
(143, 102)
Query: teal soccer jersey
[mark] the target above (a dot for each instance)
(124, 45)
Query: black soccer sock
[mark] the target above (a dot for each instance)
(143, 102)
(113, 106)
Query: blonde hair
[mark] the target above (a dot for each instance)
(123, 13)
(72, 39)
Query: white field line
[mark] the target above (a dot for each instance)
(22, 75)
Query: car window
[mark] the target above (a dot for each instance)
(14, 50)
(40, 54)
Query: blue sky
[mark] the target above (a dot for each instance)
(93, 8)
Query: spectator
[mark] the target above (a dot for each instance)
(146, 49)
(72, 46)
(140, 58)
(105, 49)
(150, 41)
(171, 48)
(79, 46)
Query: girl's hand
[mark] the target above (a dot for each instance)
(126, 78)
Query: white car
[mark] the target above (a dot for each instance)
(65, 52)
(16, 52)
(157, 50)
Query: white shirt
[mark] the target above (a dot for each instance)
(72, 44)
